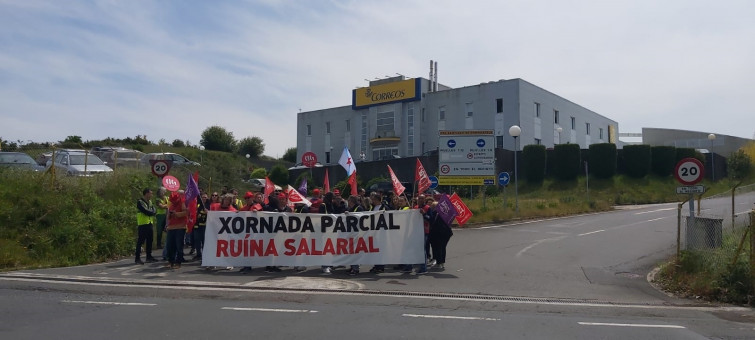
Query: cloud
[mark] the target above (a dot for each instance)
(170, 69)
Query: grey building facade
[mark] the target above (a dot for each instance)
(399, 117)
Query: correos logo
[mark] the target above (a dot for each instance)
(384, 95)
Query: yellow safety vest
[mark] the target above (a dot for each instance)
(165, 200)
(141, 218)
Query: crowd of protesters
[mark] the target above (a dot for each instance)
(169, 214)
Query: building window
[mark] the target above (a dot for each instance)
(442, 113)
(600, 131)
(555, 116)
(327, 127)
(537, 110)
(348, 125)
(386, 153)
(309, 129)
(499, 105)
(470, 109)
(587, 128)
(499, 142)
(364, 130)
(410, 129)
(538, 141)
(573, 123)
(327, 157)
(385, 122)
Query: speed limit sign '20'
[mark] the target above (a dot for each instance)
(160, 167)
(689, 171)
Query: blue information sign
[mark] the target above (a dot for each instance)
(488, 181)
(503, 178)
(433, 182)
(451, 143)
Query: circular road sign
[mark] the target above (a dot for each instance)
(160, 167)
(445, 168)
(171, 183)
(433, 182)
(504, 178)
(309, 159)
(689, 171)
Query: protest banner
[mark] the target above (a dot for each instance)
(291, 239)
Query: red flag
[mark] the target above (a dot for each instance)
(295, 197)
(326, 183)
(269, 188)
(398, 188)
(464, 213)
(420, 175)
(353, 183)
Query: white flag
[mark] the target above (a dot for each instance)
(347, 162)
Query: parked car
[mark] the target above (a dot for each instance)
(124, 157)
(298, 166)
(258, 184)
(176, 158)
(99, 151)
(78, 163)
(19, 160)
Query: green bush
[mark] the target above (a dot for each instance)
(682, 153)
(603, 160)
(73, 221)
(566, 161)
(533, 163)
(637, 160)
(279, 175)
(663, 160)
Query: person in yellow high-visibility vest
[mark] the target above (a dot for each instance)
(145, 219)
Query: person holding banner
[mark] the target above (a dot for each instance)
(377, 205)
(440, 234)
(176, 227)
(353, 206)
(274, 205)
(329, 206)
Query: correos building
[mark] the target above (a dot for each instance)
(399, 117)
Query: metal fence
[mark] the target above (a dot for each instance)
(720, 233)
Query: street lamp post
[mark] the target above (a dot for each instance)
(201, 154)
(559, 129)
(711, 138)
(515, 131)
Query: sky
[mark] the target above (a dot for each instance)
(170, 69)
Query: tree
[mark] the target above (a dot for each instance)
(177, 143)
(279, 175)
(533, 163)
(73, 139)
(218, 139)
(253, 146)
(602, 160)
(738, 166)
(289, 155)
(259, 173)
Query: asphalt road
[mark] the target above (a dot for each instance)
(575, 277)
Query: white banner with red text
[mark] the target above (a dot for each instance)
(290, 239)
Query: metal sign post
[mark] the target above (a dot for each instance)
(689, 171)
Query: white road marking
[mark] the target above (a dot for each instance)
(270, 310)
(592, 232)
(655, 219)
(230, 287)
(110, 303)
(449, 317)
(554, 239)
(652, 211)
(629, 325)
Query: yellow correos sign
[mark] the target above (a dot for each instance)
(400, 91)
